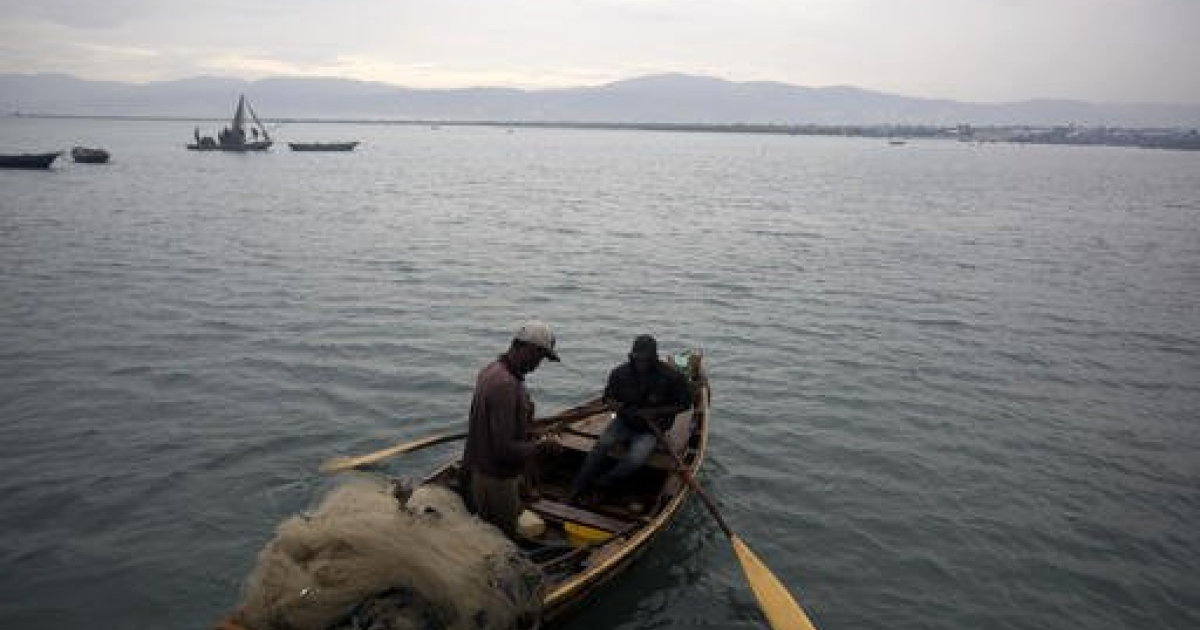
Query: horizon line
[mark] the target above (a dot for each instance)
(850, 129)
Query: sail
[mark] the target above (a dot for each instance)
(239, 118)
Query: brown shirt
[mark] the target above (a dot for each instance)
(497, 434)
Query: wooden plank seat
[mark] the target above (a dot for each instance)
(564, 512)
(582, 436)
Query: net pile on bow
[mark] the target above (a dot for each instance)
(363, 561)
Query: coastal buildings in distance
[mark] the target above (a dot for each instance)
(1173, 138)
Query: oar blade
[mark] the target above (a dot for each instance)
(338, 464)
(778, 605)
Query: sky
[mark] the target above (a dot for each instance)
(969, 50)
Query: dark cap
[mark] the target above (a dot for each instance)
(644, 346)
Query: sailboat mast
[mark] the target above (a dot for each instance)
(261, 128)
(239, 117)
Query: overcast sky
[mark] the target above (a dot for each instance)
(974, 50)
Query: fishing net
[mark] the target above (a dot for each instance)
(363, 562)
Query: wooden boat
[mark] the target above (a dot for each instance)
(28, 160)
(323, 146)
(582, 549)
(234, 137)
(89, 156)
(595, 544)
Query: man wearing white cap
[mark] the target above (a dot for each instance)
(498, 443)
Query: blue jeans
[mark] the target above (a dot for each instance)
(641, 445)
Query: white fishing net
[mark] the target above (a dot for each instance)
(361, 562)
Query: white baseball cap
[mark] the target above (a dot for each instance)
(539, 334)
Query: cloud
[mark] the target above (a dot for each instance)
(966, 49)
(80, 14)
(116, 53)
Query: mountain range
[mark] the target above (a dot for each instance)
(662, 98)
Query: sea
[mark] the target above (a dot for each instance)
(955, 385)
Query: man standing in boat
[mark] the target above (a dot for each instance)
(498, 444)
(642, 390)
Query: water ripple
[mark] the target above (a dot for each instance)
(952, 391)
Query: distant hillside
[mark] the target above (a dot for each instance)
(667, 98)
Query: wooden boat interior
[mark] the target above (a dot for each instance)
(582, 542)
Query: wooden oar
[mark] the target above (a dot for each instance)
(777, 604)
(540, 426)
(347, 462)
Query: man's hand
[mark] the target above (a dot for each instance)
(547, 447)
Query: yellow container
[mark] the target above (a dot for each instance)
(580, 535)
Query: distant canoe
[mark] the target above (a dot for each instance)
(89, 156)
(322, 146)
(28, 160)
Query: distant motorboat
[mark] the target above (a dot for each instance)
(89, 156)
(323, 146)
(896, 142)
(234, 137)
(28, 160)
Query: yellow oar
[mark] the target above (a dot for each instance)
(543, 425)
(777, 604)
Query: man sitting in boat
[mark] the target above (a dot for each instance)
(642, 390)
(498, 447)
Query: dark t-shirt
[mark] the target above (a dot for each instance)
(497, 435)
(663, 386)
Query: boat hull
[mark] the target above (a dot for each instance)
(89, 156)
(29, 160)
(323, 146)
(234, 148)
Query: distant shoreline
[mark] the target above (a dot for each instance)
(1171, 138)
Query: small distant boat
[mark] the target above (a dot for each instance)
(234, 137)
(28, 160)
(896, 141)
(89, 156)
(323, 146)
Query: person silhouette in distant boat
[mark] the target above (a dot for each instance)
(642, 390)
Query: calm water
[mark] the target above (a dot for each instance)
(956, 386)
